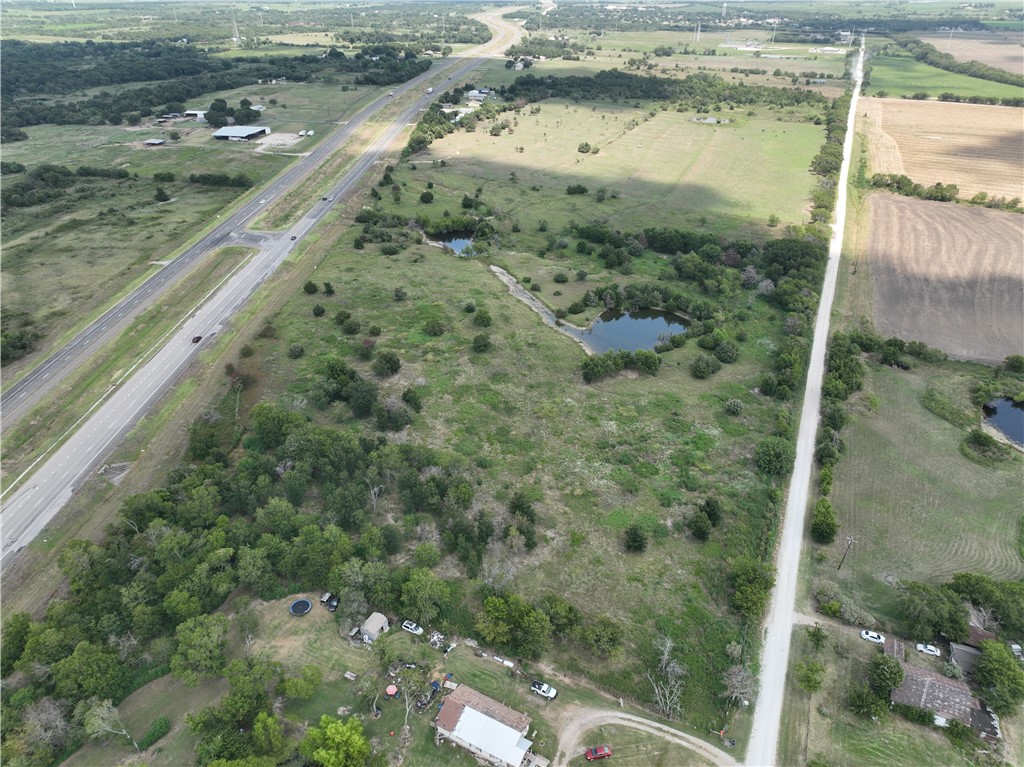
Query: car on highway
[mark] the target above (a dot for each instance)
(872, 636)
(544, 690)
(929, 649)
(293, 237)
(262, 202)
(412, 628)
(598, 752)
(196, 339)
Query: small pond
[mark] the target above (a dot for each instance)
(458, 244)
(1007, 418)
(630, 331)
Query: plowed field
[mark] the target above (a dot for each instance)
(948, 275)
(975, 146)
(992, 48)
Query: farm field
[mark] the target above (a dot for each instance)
(904, 76)
(997, 49)
(948, 275)
(975, 146)
(733, 176)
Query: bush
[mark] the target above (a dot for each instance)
(561, 277)
(823, 522)
(636, 538)
(310, 287)
(400, 294)
(427, 197)
(390, 249)
(734, 407)
(319, 310)
(386, 364)
(576, 189)
(412, 398)
(342, 317)
(434, 328)
(373, 330)
(328, 289)
(774, 456)
(469, 307)
(712, 508)
(914, 714)
(296, 350)
(392, 415)
(705, 365)
(482, 343)
(727, 352)
(700, 525)
(351, 326)
(482, 318)
(1014, 363)
(160, 727)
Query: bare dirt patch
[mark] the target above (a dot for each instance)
(278, 141)
(948, 275)
(975, 146)
(997, 49)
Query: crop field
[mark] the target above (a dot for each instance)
(997, 49)
(821, 725)
(948, 275)
(734, 175)
(975, 146)
(904, 76)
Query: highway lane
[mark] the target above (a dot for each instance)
(40, 498)
(17, 399)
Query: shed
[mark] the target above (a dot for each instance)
(241, 132)
(374, 626)
(965, 656)
(198, 114)
(154, 141)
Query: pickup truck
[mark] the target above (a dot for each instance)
(544, 690)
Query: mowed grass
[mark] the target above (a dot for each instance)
(635, 748)
(732, 177)
(821, 725)
(918, 509)
(904, 76)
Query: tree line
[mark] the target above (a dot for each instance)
(928, 54)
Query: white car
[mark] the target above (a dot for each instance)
(544, 690)
(929, 649)
(872, 636)
(412, 628)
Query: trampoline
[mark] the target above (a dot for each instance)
(300, 607)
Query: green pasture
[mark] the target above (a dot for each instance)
(904, 76)
(821, 725)
(299, 105)
(729, 177)
(636, 748)
(917, 507)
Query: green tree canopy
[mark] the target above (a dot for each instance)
(1000, 677)
(200, 648)
(336, 744)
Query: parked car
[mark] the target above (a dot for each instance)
(333, 604)
(544, 690)
(326, 598)
(412, 628)
(1018, 653)
(929, 649)
(598, 752)
(872, 636)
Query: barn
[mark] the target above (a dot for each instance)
(241, 132)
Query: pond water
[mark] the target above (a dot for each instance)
(712, 120)
(1007, 417)
(630, 330)
(458, 244)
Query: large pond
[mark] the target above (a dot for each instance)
(1006, 417)
(630, 331)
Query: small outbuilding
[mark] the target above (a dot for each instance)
(374, 626)
(199, 115)
(241, 132)
(155, 142)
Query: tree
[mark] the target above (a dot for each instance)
(310, 287)
(102, 720)
(267, 734)
(89, 671)
(885, 674)
(705, 365)
(427, 197)
(932, 610)
(1014, 363)
(636, 537)
(810, 675)
(817, 636)
(45, 729)
(752, 582)
(774, 456)
(739, 683)
(336, 744)
(161, 195)
(200, 651)
(1000, 677)
(700, 525)
(823, 522)
(425, 596)
(305, 685)
(667, 679)
(386, 364)
(15, 634)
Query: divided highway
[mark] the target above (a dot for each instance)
(41, 496)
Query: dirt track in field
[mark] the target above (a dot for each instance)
(948, 275)
(997, 49)
(975, 146)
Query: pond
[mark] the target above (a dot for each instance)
(1007, 418)
(458, 244)
(630, 331)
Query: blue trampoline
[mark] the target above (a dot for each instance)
(300, 607)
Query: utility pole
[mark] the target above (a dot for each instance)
(849, 545)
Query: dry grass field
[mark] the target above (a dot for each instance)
(975, 146)
(948, 275)
(997, 49)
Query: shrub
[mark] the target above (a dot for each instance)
(434, 328)
(636, 538)
(576, 189)
(328, 289)
(319, 310)
(705, 365)
(247, 351)
(295, 351)
(351, 326)
(412, 398)
(914, 714)
(1014, 363)
(823, 522)
(427, 197)
(386, 364)
(482, 343)
(712, 508)
(366, 348)
(400, 294)
(392, 415)
(160, 727)
(342, 317)
(362, 397)
(700, 525)
(727, 352)
(373, 330)
(310, 287)
(390, 249)
(774, 456)
(561, 277)
(482, 318)
(734, 407)
(469, 307)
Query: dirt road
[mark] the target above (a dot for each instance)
(579, 719)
